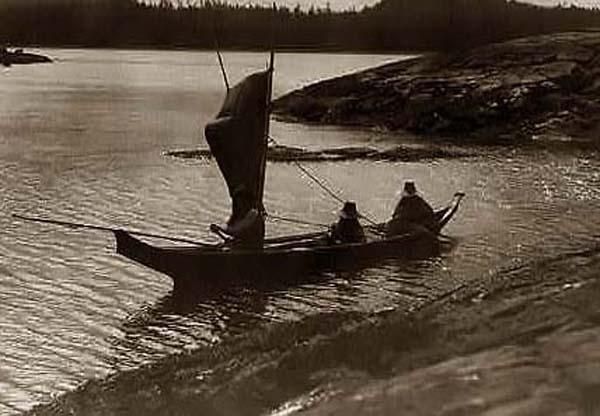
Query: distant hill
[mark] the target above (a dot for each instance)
(390, 25)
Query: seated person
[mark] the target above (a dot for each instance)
(348, 229)
(412, 214)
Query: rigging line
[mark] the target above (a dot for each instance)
(374, 225)
(296, 221)
(323, 186)
(330, 192)
(318, 182)
(311, 175)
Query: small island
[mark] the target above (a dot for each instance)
(546, 85)
(282, 153)
(19, 57)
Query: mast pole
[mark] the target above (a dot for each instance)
(271, 67)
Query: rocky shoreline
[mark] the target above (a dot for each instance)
(526, 88)
(281, 153)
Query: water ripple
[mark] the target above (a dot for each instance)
(76, 147)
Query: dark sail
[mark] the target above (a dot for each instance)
(237, 140)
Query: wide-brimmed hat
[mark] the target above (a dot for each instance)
(409, 189)
(349, 211)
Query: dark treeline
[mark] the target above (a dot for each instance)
(390, 25)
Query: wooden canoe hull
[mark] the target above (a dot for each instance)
(201, 266)
(213, 266)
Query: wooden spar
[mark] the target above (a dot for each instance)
(109, 229)
(275, 240)
(263, 166)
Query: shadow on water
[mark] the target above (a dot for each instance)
(236, 307)
(261, 365)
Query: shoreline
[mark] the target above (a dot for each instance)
(231, 49)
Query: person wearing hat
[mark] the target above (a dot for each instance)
(348, 229)
(412, 213)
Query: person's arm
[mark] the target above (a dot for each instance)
(333, 233)
(361, 233)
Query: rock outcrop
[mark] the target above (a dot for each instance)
(18, 57)
(538, 85)
(281, 153)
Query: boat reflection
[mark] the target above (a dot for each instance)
(187, 320)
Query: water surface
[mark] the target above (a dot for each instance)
(82, 140)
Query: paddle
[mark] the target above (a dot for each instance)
(110, 229)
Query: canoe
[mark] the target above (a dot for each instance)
(238, 140)
(278, 260)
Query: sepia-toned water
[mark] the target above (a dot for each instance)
(82, 140)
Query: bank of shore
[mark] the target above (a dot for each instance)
(526, 88)
(522, 341)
